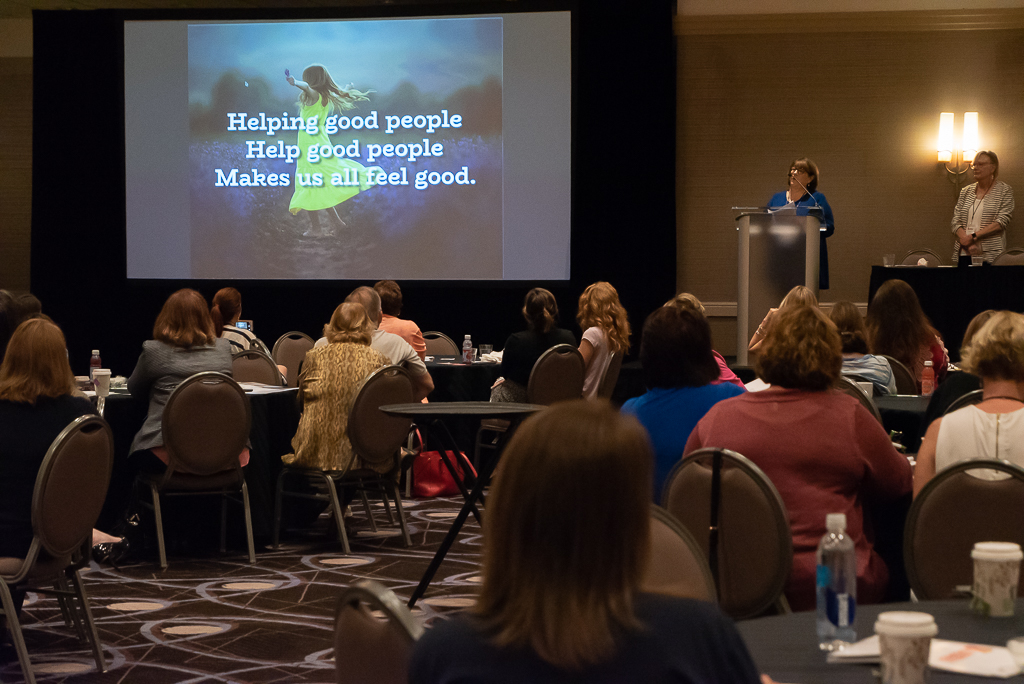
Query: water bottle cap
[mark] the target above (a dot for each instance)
(928, 363)
(467, 337)
(95, 352)
(835, 522)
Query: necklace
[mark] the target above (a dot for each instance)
(1017, 399)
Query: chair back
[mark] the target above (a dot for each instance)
(439, 344)
(375, 436)
(953, 511)
(206, 424)
(969, 399)
(676, 565)
(611, 376)
(72, 484)
(557, 376)
(368, 649)
(290, 351)
(913, 256)
(906, 383)
(848, 386)
(741, 524)
(252, 365)
(1011, 257)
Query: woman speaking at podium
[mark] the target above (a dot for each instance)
(802, 192)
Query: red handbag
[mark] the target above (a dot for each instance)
(430, 477)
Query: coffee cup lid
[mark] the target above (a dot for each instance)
(997, 551)
(100, 371)
(906, 623)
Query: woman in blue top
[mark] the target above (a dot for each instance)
(802, 192)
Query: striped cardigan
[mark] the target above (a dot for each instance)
(996, 206)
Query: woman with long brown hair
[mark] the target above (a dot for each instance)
(897, 327)
(225, 312)
(524, 348)
(565, 546)
(605, 332)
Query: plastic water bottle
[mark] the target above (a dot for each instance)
(94, 362)
(837, 585)
(928, 379)
(467, 350)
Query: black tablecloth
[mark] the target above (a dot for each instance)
(786, 647)
(906, 414)
(275, 417)
(462, 382)
(951, 297)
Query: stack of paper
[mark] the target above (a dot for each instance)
(952, 656)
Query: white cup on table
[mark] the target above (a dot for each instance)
(996, 574)
(904, 640)
(101, 381)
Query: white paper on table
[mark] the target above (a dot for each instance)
(492, 357)
(260, 388)
(952, 656)
(757, 385)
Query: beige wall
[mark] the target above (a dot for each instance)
(862, 98)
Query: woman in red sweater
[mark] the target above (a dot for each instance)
(824, 452)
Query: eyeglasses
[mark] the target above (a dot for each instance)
(977, 164)
(799, 170)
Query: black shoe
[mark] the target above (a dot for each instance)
(111, 552)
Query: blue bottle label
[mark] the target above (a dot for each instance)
(839, 608)
(824, 576)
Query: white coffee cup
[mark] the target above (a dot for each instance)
(904, 639)
(996, 574)
(101, 381)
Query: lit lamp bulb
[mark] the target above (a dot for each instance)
(945, 143)
(971, 144)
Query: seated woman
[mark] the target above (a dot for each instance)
(958, 382)
(524, 348)
(994, 428)
(897, 327)
(184, 343)
(856, 359)
(36, 403)
(823, 451)
(330, 380)
(605, 332)
(798, 296)
(679, 372)
(565, 543)
(391, 308)
(226, 310)
(685, 300)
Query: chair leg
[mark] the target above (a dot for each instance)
(401, 515)
(71, 619)
(159, 526)
(278, 496)
(62, 602)
(90, 624)
(224, 523)
(248, 524)
(339, 515)
(14, 627)
(387, 505)
(366, 505)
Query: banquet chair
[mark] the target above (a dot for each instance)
(952, 512)
(205, 427)
(913, 256)
(611, 376)
(741, 524)
(676, 565)
(906, 383)
(1011, 257)
(556, 376)
(968, 399)
(848, 385)
(377, 439)
(252, 365)
(369, 649)
(69, 493)
(290, 351)
(439, 344)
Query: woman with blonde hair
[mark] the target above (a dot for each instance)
(798, 296)
(328, 384)
(993, 428)
(822, 449)
(605, 332)
(565, 547)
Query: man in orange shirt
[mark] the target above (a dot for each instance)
(391, 307)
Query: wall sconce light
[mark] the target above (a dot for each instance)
(949, 153)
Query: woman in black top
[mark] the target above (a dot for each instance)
(524, 348)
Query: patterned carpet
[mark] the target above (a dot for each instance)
(219, 619)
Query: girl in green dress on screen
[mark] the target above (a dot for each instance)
(320, 97)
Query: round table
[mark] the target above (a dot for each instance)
(785, 647)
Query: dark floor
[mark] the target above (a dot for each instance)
(219, 619)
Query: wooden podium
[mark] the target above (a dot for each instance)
(778, 250)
